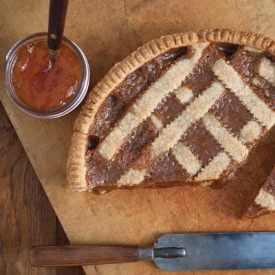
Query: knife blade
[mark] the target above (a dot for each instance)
(219, 251)
(172, 252)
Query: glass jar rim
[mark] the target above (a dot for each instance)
(54, 113)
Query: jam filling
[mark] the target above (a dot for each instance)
(39, 83)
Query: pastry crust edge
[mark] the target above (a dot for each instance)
(76, 166)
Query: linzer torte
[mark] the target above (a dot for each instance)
(182, 109)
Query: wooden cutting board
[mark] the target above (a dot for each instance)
(107, 31)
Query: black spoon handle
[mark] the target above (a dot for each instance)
(57, 16)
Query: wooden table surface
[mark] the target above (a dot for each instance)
(27, 217)
(107, 31)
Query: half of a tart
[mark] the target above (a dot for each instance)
(185, 108)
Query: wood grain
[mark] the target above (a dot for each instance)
(109, 31)
(27, 218)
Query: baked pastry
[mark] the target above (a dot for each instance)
(265, 201)
(185, 108)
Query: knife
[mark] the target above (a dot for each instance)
(172, 252)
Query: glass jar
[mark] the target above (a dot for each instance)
(63, 109)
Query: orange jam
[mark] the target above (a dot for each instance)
(41, 85)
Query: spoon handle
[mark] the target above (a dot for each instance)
(57, 16)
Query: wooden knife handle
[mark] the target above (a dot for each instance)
(82, 255)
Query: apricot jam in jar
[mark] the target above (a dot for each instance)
(43, 89)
